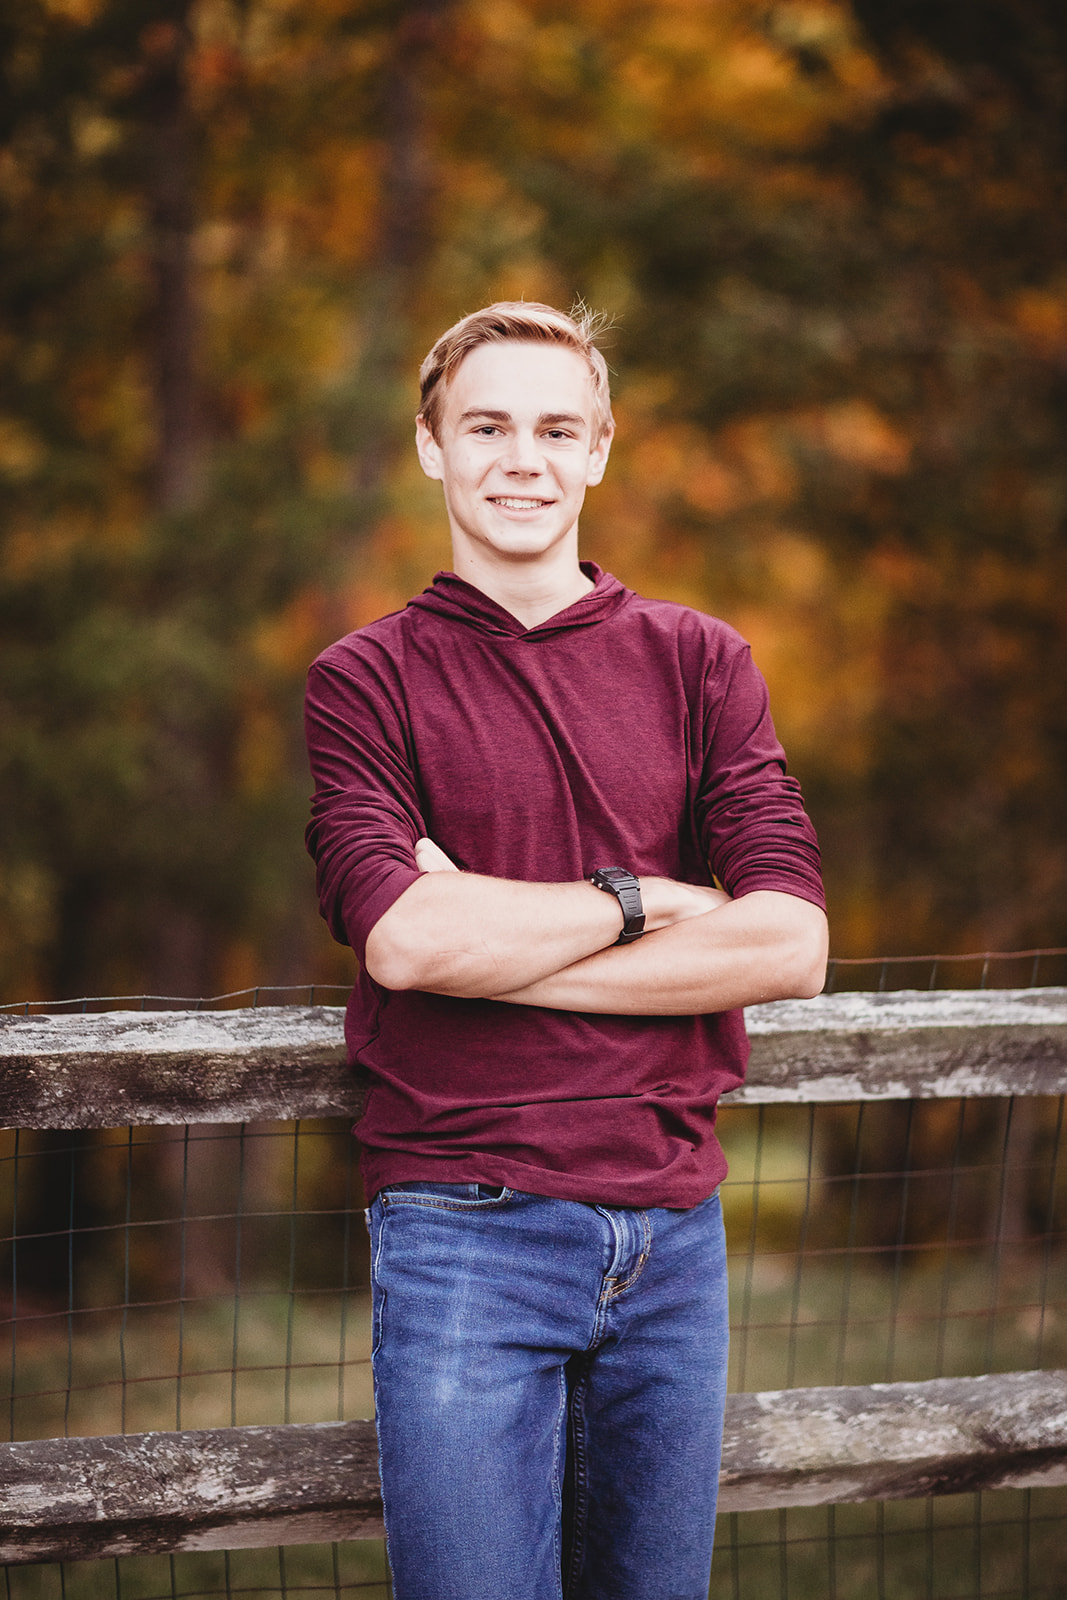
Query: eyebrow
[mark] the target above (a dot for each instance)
(547, 419)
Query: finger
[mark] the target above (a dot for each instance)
(429, 857)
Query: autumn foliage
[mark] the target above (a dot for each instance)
(832, 238)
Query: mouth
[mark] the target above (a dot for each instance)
(518, 503)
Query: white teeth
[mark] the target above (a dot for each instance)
(519, 505)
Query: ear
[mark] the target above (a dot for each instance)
(598, 457)
(429, 450)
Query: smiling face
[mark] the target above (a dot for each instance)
(517, 448)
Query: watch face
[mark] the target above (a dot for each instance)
(614, 875)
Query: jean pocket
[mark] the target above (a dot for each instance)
(446, 1196)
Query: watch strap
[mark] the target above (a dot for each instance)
(620, 882)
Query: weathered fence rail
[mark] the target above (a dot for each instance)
(239, 1487)
(117, 1068)
(236, 1488)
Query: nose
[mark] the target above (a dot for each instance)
(524, 455)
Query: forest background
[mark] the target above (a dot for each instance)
(833, 240)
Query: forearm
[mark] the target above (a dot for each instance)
(461, 934)
(764, 946)
(477, 937)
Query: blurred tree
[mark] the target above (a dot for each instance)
(836, 240)
(833, 238)
(177, 464)
(964, 172)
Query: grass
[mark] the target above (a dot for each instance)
(1003, 1546)
(306, 1358)
(861, 1251)
(213, 1363)
(357, 1569)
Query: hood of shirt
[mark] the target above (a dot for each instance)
(458, 601)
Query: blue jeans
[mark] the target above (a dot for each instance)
(549, 1379)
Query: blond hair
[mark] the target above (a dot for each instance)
(525, 322)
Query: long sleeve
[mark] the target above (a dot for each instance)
(366, 813)
(751, 820)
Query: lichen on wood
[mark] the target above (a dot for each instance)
(274, 1063)
(233, 1488)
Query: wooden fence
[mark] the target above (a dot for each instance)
(234, 1488)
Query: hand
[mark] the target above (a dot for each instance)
(429, 857)
(665, 900)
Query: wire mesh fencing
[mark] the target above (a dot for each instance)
(216, 1276)
(897, 1242)
(179, 1278)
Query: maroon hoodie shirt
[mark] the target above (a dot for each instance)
(621, 732)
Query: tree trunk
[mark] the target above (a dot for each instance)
(175, 325)
(405, 227)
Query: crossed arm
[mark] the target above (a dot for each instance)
(549, 944)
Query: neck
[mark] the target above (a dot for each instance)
(532, 591)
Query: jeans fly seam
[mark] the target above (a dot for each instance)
(613, 1284)
(642, 1260)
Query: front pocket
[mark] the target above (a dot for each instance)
(447, 1196)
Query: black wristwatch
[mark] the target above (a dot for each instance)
(627, 891)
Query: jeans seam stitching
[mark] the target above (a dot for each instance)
(581, 1487)
(557, 1478)
(378, 1331)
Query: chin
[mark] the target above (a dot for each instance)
(523, 543)
(524, 552)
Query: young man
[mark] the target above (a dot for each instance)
(527, 783)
